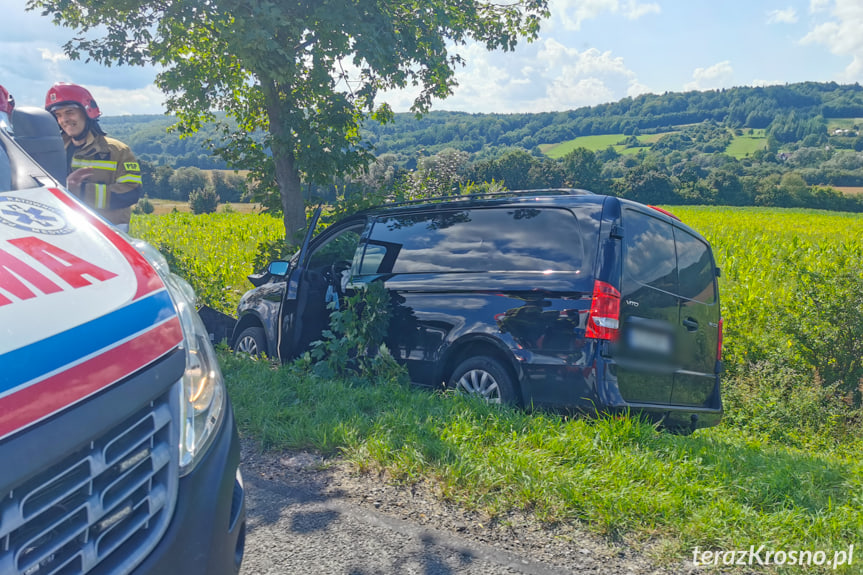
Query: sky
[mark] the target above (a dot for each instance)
(589, 52)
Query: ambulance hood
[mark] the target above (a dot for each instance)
(80, 308)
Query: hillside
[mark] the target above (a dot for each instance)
(789, 113)
(728, 146)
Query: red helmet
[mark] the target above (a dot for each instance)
(7, 102)
(63, 94)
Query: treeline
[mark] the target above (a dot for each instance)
(165, 182)
(805, 154)
(648, 177)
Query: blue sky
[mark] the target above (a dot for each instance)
(589, 52)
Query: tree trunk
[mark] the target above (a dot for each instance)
(287, 173)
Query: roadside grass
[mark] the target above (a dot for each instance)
(719, 488)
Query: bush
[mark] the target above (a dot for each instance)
(828, 326)
(144, 206)
(204, 200)
(788, 406)
(354, 342)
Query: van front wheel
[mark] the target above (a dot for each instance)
(252, 341)
(484, 377)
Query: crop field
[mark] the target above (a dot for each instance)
(167, 206)
(761, 252)
(214, 252)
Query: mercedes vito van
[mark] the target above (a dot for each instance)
(551, 298)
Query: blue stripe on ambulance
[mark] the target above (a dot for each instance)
(43, 357)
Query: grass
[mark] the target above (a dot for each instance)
(717, 489)
(740, 147)
(746, 145)
(595, 144)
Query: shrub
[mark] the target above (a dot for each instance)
(787, 405)
(354, 342)
(144, 206)
(204, 200)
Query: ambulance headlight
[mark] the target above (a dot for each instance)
(202, 393)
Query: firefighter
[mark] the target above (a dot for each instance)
(102, 171)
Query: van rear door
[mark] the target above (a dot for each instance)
(698, 332)
(649, 309)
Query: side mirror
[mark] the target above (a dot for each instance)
(278, 268)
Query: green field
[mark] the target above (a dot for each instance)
(782, 470)
(747, 144)
(740, 147)
(595, 144)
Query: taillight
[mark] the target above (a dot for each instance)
(719, 342)
(604, 319)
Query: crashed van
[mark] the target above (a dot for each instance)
(118, 446)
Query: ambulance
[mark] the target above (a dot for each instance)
(118, 448)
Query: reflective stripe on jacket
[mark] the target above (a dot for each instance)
(115, 172)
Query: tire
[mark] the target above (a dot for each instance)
(251, 341)
(484, 377)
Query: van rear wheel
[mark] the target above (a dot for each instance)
(484, 377)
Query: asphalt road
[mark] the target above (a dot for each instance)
(300, 530)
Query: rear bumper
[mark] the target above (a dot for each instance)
(207, 532)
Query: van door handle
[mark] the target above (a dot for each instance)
(690, 324)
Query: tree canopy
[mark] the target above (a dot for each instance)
(297, 77)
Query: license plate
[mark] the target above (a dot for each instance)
(652, 341)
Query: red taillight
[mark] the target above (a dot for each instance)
(604, 319)
(719, 342)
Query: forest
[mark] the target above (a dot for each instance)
(802, 139)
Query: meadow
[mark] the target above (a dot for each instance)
(741, 145)
(782, 470)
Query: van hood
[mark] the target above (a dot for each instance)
(80, 307)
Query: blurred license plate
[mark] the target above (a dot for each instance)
(652, 341)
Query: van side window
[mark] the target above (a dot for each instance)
(649, 255)
(478, 240)
(338, 248)
(696, 268)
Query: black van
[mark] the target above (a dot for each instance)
(547, 298)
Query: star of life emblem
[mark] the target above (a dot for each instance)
(25, 214)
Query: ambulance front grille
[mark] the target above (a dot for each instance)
(98, 511)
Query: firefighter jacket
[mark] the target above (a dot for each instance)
(116, 181)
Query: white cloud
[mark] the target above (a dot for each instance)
(818, 5)
(787, 16)
(542, 77)
(119, 102)
(841, 35)
(633, 10)
(53, 57)
(573, 12)
(720, 75)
